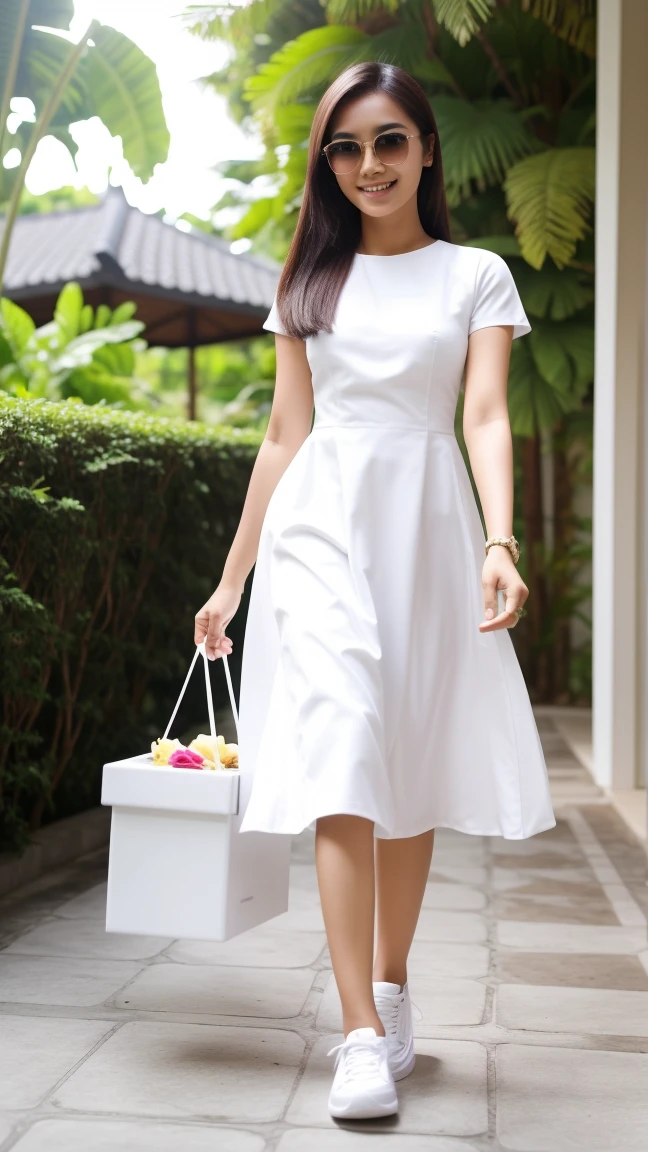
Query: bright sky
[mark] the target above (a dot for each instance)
(201, 131)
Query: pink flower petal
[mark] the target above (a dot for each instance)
(186, 758)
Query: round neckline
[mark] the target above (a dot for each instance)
(398, 255)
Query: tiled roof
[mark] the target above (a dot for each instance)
(117, 246)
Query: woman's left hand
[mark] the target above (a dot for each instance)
(499, 571)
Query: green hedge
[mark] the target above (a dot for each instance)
(113, 531)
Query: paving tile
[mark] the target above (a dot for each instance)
(475, 874)
(505, 879)
(75, 937)
(466, 856)
(587, 1011)
(444, 1095)
(438, 1001)
(570, 938)
(303, 847)
(565, 1100)
(264, 947)
(540, 885)
(547, 844)
(319, 1140)
(80, 1135)
(443, 1000)
(55, 980)
(304, 876)
(304, 913)
(541, 861)
(198, 1071)
(449, 837)
(440, 959)
(276, 993)
(90, 905)
(35, 1052)
(439, 924)
(556, 909)
(571, 970)
(458, 897)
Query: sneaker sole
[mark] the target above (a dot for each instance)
(365, 1110)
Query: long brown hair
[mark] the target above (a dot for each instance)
(329, 227)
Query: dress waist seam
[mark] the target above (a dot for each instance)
(386, 427)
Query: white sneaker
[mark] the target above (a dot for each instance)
(395, 1011)
(363, 1086)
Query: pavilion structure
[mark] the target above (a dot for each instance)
(190, 290)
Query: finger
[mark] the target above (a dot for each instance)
(201, 625)
(512, 603)
(490, 599)
(222, 646)
(508, 618)
(213, 636)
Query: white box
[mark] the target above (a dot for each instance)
(178, 866)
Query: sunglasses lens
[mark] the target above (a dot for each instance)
(343, 156)
(391, 148)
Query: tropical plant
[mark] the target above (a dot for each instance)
(512, 84)
(80, 354)
(104, 75)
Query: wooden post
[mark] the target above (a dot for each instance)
(192, 399)
(191, 384)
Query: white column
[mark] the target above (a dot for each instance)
(619, 613)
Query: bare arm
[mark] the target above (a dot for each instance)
(487, 432)
(289, 425)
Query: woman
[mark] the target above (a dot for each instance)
(381, 696)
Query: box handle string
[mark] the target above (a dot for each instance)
(200, 648)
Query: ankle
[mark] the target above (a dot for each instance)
(390, 975)
(363, 1020)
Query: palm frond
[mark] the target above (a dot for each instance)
(533, 404)
(463, 18)
(480, 140)
(550, 372)
(357, 11)
(303, 64)
(229, 21)
(572, 20)
(503, 245)
(551, 293)
(550, 198)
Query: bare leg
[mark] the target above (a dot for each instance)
(402, 868)
(344, 857)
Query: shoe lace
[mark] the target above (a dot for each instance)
(388, 1010)
(359, 1057)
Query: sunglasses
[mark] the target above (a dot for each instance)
(389, 148)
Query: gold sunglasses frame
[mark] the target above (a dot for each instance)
(372, 143)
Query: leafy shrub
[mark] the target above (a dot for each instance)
(81, 353)
(113, 530)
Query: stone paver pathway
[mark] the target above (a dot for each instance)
(529, 974)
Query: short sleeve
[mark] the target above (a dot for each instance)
(273, 323)
(496, 299)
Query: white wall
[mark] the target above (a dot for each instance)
(619, 531)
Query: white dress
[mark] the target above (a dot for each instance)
(366, 685)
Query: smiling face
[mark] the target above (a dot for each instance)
(362, 120)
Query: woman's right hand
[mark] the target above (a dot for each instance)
(213, 618)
